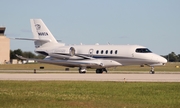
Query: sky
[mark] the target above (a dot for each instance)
(154, 24)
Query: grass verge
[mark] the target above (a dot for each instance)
(78, 94)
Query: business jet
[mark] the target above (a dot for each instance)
(99, 57)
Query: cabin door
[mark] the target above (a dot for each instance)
(90, 52)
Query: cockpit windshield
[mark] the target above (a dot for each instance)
(143, 50)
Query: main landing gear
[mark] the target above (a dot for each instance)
(82, 70)
(152, 70)
(100, 71)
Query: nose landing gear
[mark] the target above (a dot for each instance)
(152, 70)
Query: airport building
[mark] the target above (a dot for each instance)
(4, 47)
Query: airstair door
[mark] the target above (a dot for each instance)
(90, 52)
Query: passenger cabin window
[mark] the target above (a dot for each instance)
(143, 50)
(106, 51)
(116, 52)
(111, 52)
(102, 51)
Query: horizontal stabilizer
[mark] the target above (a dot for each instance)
(43, 40)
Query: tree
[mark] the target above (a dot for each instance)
(12, 55)
(172, 57)
(178, 57)
(18, 52)
(28, 55)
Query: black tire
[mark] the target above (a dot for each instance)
(99, 71)
(83, 72)
(152, 72)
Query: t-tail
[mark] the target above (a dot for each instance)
(41, 33)
(42, 37)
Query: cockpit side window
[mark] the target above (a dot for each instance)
(143, 50)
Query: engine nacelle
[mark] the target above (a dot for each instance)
(65, 53)
(61, 56)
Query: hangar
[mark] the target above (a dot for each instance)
(4, 47)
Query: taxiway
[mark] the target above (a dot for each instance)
(92, 77)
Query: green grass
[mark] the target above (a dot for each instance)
(78, 94)
(168, 67)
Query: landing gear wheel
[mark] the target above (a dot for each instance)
(152, 70)
(104, 69)
(82, 70)
(100, 71)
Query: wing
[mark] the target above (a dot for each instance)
(90, 63)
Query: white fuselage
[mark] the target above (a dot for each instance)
(124, 54)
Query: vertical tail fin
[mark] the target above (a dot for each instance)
(40, 31)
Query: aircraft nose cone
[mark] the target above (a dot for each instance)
(163, 60)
